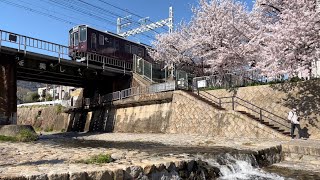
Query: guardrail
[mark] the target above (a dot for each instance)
(130, 92)
(65, 103)
(25, 42)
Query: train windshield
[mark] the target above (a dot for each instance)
(70, 38)
(76, 38)
(83, 34)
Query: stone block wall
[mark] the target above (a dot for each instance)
(191, 116)
(186, 114)
(280, 98)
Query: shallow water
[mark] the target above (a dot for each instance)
(293, 174)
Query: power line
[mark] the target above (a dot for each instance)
(59, 18)
(125, 10)
(38, 12)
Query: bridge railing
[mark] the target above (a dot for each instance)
(25, 43)
(130, 92)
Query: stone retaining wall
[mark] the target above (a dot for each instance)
(186, 115)
(280, 98)
(192, 116)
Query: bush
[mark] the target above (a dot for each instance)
(98, 159)
(32, 97)
(48, 97)
(26, 136)
(59, 109)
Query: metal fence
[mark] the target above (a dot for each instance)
(229, 80)
(130, 92)
(25, 43)
(152, 72)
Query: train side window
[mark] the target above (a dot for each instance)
(140, 52)
(110, 42)
(101, 39)
(127, 48)
(93, 41)
(134, 49)
(116, 44)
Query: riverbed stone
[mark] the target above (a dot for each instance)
(58, 176)
(140, 155)
(100, 175)
(134, 171)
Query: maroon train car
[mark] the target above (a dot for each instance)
(83, 39)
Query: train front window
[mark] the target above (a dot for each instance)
(76, 38)
(70, 38)
(83, 34)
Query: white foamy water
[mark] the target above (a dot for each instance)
(234, 169)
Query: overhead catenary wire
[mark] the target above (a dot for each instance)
(125, 10)
(46, 12)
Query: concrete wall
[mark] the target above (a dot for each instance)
(147, 113)
(50, 118)
(152, 118)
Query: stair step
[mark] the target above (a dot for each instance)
(286, 133)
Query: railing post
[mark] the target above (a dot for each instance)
(59, 53)
(151, 74)
(232, 102)
(25, 45)
(87, 55)
(143, 67)
(260, 115)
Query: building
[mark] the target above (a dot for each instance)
(56, 92)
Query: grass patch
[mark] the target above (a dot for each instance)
(24, 136)
(48, 129)
(97, 159)
(8, 138)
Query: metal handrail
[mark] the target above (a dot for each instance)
(260, 110)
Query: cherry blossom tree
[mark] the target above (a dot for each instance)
(276, 37)
(290, 40)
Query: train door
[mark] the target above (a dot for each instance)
(93, 42)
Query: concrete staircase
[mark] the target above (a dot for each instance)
(281, 129)
(224, 103)
(140, 81)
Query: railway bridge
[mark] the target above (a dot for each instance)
(31, 59)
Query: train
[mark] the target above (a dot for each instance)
(84, 39)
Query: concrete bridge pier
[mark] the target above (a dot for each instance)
(8, 90)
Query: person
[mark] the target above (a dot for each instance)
(293, 117)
